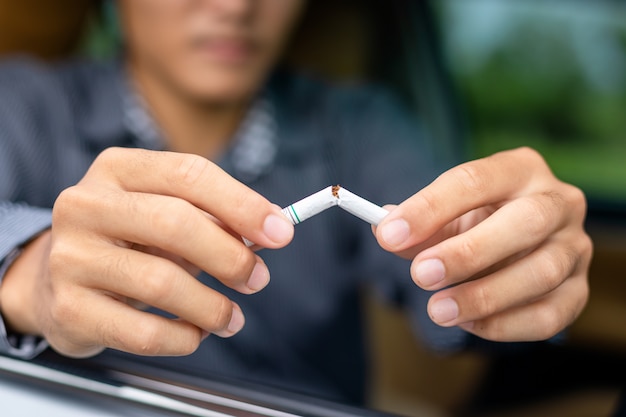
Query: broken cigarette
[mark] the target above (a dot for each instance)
(331, 196)
(359, 207)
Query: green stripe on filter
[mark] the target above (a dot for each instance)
(292, 214)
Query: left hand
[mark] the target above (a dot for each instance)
(501, 240)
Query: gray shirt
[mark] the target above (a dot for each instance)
(304, 331)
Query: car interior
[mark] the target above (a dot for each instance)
(472, 105)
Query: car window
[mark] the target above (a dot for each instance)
(551, 75)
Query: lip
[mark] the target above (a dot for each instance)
(225, 50)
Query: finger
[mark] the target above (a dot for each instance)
(532, 218)
(412, 251)
(539, 320)
(178, 227)
(179, 260)
(160, 283)
(106, 322)
(456, 192)
(517, 284)
(201, 182)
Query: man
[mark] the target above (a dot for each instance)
(95, 230)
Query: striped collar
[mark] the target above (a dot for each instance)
(253, 148)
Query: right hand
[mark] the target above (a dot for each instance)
(134, 231)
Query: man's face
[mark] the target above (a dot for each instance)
(211, 50)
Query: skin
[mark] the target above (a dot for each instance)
(121, 236)
(197, 63)
(500, 239)
(141, 224)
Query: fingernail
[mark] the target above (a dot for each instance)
(236, 320)
(259, 277)
(444, 310)
(429, 272)
(277, 228)
(395, 232)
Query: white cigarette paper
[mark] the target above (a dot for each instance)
(310, 206)
(360, 207)
(331, 196)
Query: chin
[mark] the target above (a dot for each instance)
(223, 94)
(224, 88)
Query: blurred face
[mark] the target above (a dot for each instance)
(211, 50)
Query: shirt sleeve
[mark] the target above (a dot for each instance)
(19, 223)
(20, 346)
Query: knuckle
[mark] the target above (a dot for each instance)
(564, 202)
(583, 298)
(528, 156)
(221, 313)
(538, 217)
(109, 154)
(245, 199)
(569, 262)
(574, 195)
(468, 254)
(240, 261)
(483, 303)
(550, 321)
(554, 268)
(577, 201)
(61, 255)
(531, 159)
(551, 275)
(473, 178)
(192, 169)
(557, 266)
(108, 159)
(78, 203)
(148, 338)
(530, 153)
(157, 282)
(552, 318)
(171, 217)
(586, 250)
(189, 345)
(105, 158)
(64, 310)
(67, 200)
(430, 209)
(557, 199)
(73, 349)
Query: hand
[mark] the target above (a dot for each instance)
(502, 242)
(134, 231)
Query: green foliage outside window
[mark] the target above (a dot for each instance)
(550, 75)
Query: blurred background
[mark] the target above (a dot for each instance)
(483, 76)
(551, 75)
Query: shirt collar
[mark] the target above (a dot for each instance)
(252, 150)
(255, 144)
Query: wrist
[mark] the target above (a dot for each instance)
(19, 286)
